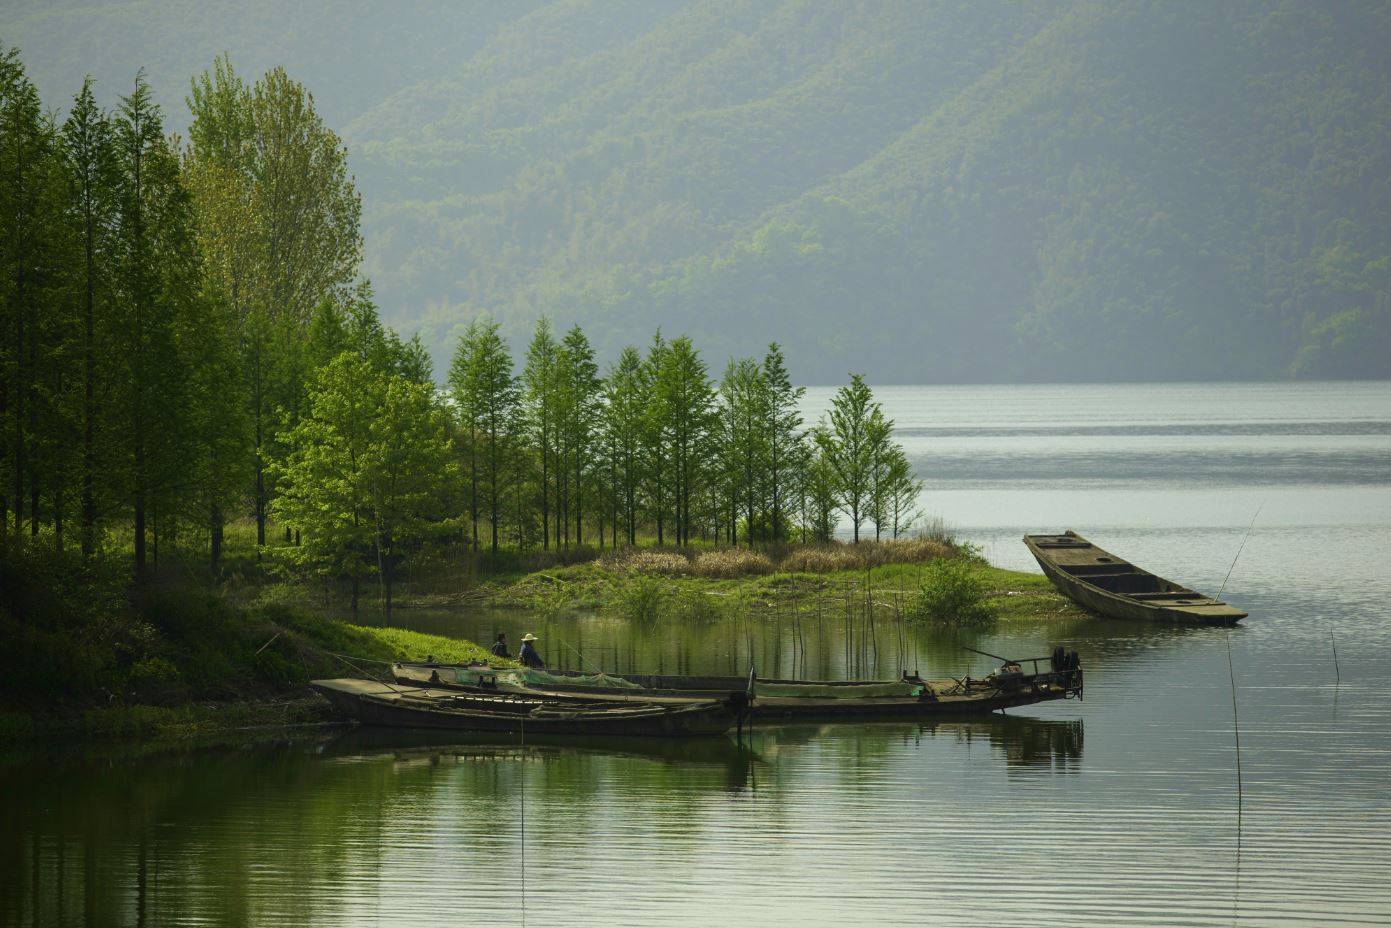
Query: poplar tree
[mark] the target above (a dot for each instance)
(280, 220)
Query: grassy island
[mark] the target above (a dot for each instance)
(89, 655)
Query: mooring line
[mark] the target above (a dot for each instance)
(1245, 538)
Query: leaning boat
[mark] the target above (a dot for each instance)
(1103, 583)
(375, 703)
(1060, 677)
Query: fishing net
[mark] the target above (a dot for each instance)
(533, 677)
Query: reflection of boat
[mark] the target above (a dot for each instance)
(1025, 742)
(427, 707)
(365, 741)
(1103, 583)
(910, 696)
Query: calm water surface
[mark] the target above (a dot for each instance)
(1120, 810)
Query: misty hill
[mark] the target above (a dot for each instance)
(943, 192)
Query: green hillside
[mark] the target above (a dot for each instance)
(924, 192)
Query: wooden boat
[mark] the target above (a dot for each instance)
(375, 703)
(910, 696)
(1105, 584)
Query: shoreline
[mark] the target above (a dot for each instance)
(316, 642)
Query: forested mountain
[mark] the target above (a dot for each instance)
(922, 192)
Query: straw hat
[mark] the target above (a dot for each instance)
(530, 637)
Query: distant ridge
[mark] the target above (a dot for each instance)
(945, 192)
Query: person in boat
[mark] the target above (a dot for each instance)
(500, 646)
(528, 654)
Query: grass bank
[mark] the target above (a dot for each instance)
(88, 655)
(890, 575)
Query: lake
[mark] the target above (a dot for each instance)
(1119, 810)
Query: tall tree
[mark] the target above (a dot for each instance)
(280, 221)
(784, 436)
(487, 396)
(624, 414)
(26, 204)
(684, 400)
(744, 440)
(848, 448)
(539, 380)
(581, 392)
(88, 147)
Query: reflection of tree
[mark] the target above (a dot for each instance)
(264, 835)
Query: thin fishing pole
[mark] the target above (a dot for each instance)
(521, 791)
(1337, 674)
(1239, 549)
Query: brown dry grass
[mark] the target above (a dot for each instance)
(732, 563)
(728, 563)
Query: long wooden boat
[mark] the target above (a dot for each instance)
(375, 703)
(910, 696)
(1101, 582)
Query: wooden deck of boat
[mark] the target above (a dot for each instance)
(1102, 582)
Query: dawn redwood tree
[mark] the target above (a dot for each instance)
(744, 411)
(156, 273)
(487, 396)
(624, 420)
(847, 445)
(31, 332)
(684, 399)
(580, 389)
(539, 383)
(89, 155)
(784, 438)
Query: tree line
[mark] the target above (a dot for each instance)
(188, 343)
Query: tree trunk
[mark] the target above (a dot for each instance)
(89, 465)
(215, 552)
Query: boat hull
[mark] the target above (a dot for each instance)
(427, 708)
(1080, 571)
(937, 699)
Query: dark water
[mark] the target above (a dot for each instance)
(1120, 810)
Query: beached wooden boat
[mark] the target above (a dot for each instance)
(375, 703)
(1060, 677)
(1101, 582)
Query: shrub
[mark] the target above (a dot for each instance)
(952, 594)
(729, 563)
(154, 679)
(695, 606)
(642, 599)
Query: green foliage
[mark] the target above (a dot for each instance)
(643, 599)
(952, 594)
